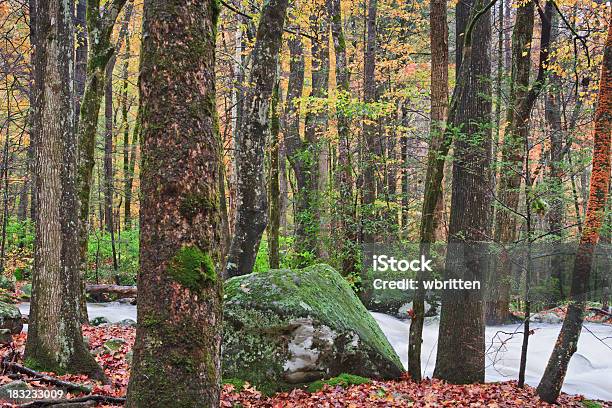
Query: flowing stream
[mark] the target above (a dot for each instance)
(589, 373)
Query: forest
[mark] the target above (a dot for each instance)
(325, 203)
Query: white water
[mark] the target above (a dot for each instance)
(589, 373)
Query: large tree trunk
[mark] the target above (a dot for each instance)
(55, 341)
(431, 216)
(567, 342)
(178, 338)
(251, 214)
(470, 205)
(522, 100)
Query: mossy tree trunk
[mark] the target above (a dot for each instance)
(251, 193)
(431, 216)
(567, 342)
(178, 337)
(55, 341)
(469, 118)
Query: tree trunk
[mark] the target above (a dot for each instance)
(274, 224)
(299, 152)
(370, 137)
(80, 65)
(178, 336)
(553, 103)
(431, 216)
(109, 174)
(55, 341)
(345, 214)
(470, 205)
(251, 213)
(567, 342)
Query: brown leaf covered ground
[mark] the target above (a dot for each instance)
(401, 393)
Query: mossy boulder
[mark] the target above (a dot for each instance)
(7, 283)
(10, 318)
(287, 328)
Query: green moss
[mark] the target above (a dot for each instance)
(37, 364)
(194, 204)
(591, 404)
(343, 380)
(260, 311)
(192, 268)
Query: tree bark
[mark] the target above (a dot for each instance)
(251, 213)
(370, 137)
(567, 342)
(274, 225)
(431, 216)
(55, 341)
(470, 117)
(178, 336)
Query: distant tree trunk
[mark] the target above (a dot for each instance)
(129, 182)
(274, 224)
(125, 127)
(251, 214)
(470, 207)
(567, 342)
(109, 174)
(55, 341)
(80, 65)
(371, 138)
(347, 239)
(178, 337)
(31, 113)
(557, 208)
(431, 216)
(522, 100)
(316, 128)
(99, 26)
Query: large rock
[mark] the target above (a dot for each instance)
(288, 327)
(10, 318)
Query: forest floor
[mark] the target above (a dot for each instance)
(401, 393)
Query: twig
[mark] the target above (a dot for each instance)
(248, 16)
(96, 398)
(69, 386)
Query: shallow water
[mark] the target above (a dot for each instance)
(589, 373)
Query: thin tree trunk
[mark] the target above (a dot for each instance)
(55, 341)
(347, 240)
(80, 65)
(274, 224)
(371, 140)
(251, 214)
(109, 174)
(567, 342)
(431, 217)
(178, 337)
